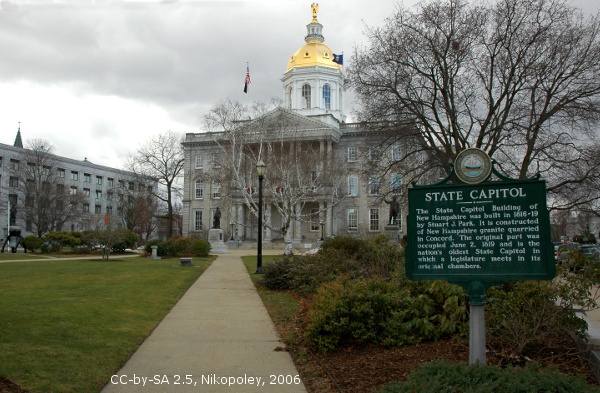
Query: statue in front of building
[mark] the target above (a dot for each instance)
(394, 210)
(217, 219)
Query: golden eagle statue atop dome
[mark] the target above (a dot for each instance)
(315, 8)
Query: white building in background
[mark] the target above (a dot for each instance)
(313, 111)
(99, 184)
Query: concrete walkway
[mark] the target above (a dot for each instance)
(218, 338)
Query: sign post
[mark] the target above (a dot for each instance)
(479, 233)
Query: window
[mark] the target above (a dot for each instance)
(73, 191)
(314, 220)
(352, 219)
(396, 183)
(14, 164)
(121, 184)
(98, 194)
(374, 219)
(109, 196)
(215, 161)
(373, 185)
(374, 153)
(352, 154)
(74, 175)
(327, 96)
(198, 189)
(352, 185)
(86, 192)
(13, 182)
(149, 189)
(306, 96)
(85, 207)
(31, 167)
(0, 161)
(98, 209)
(216, 190)
(99, 180)
(110, 182)
(198, 162)
(61, 173)
(131, 186)
(396, 153)
(198, 220)
(109, 210)
(87, 178)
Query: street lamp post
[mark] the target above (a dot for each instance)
(260, 170)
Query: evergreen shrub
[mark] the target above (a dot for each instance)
(200, 248)
(442, 376)
(383, 313)
(344, 255)
(32, 242)
(160, 244)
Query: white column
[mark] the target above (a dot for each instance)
(329, 154)
(329, 221)
(240, 221)
(298, 225)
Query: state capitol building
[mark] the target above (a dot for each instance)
(316, 182)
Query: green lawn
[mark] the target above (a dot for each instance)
(67, 326)
(7, 255)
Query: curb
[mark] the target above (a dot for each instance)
(589, 348)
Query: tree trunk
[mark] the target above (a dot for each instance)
(287, 239)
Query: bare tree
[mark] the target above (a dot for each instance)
(44, 202)
(137, 208)
(161, 158)
(297, 172)
(519, 79)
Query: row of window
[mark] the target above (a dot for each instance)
(374, 219)
(198, 161)
(315, 224)
(375, 153)
(307, 94)
(199, 190)
(374, 184)
(74, 175)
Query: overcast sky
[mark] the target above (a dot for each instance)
(97, 77)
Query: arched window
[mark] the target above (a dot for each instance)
(306, 96)
(327, 96)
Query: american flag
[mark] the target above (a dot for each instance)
(247, 80)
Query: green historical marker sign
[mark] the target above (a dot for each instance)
(479, 233)
(489, 232)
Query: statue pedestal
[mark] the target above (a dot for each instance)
(215, 238)
(392, 232)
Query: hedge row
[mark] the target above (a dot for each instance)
(179, 247)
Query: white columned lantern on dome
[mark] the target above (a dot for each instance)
(313, 81)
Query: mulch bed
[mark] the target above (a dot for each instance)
(360, 368)
(9, 387)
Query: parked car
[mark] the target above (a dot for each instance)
(591, 250)
(564, 250)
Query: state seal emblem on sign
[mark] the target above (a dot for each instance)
(472, 166)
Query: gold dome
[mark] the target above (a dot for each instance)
(313, 54)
